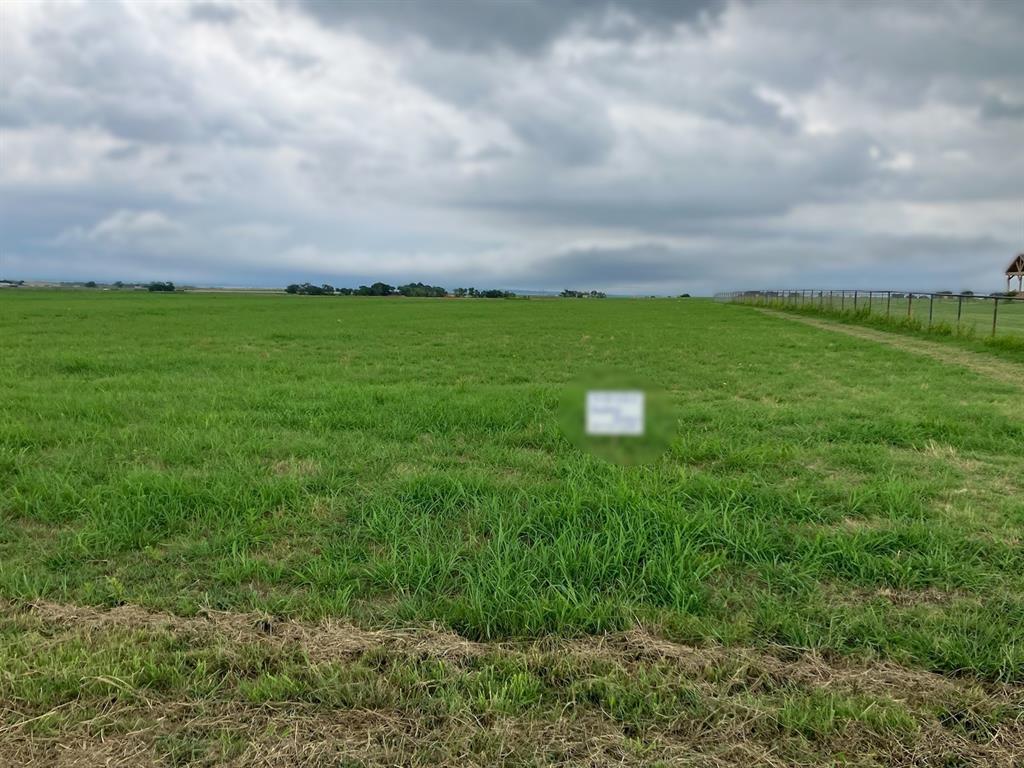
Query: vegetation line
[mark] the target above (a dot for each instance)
(1006, 345)
(1008, 373)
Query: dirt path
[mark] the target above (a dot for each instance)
(993, 368)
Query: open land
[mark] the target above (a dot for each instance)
(283, 530)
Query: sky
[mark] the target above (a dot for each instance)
(633, 147)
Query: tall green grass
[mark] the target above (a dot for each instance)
(401, 461)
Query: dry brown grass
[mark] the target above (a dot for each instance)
(736, 730)
(295, 467)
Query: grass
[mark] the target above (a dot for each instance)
(973, 316)
(973, 322)
(399, 463)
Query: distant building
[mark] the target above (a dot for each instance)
(1016, 269)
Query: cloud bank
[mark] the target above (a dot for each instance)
(631, 147)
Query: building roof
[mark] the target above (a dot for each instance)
(1016, 266)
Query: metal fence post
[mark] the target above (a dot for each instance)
(804, 297)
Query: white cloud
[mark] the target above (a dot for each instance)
(123, 227)
(131, 225)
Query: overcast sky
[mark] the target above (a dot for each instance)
(633, 147)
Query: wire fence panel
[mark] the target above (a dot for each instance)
(963, 313)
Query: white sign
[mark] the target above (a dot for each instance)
(615, 412)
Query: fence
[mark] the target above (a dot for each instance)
(961, 312)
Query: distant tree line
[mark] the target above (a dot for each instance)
(951, 294)
(384, 289)
(308, 289)
(571, 294)
(490, 293)
(419, 289)
(155, 286)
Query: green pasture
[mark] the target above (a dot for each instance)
(399, 462)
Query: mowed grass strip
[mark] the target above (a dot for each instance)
(397, 462)
(967, 326)
(129, 687)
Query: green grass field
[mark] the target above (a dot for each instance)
(976, 315)
(277, 530)
(972, 316)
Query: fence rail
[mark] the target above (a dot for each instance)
(993, 315)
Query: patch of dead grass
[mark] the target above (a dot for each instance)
(734, 731)
(295, 467)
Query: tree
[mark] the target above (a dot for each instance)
(91, 284)
(308, 289)
(419, 289)
(167, 287)
(377, 289)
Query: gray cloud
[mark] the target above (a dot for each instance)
(631, 147)
(642, 264)
(213, 13)
(94, 72)
(523, 26)
(998, 108)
